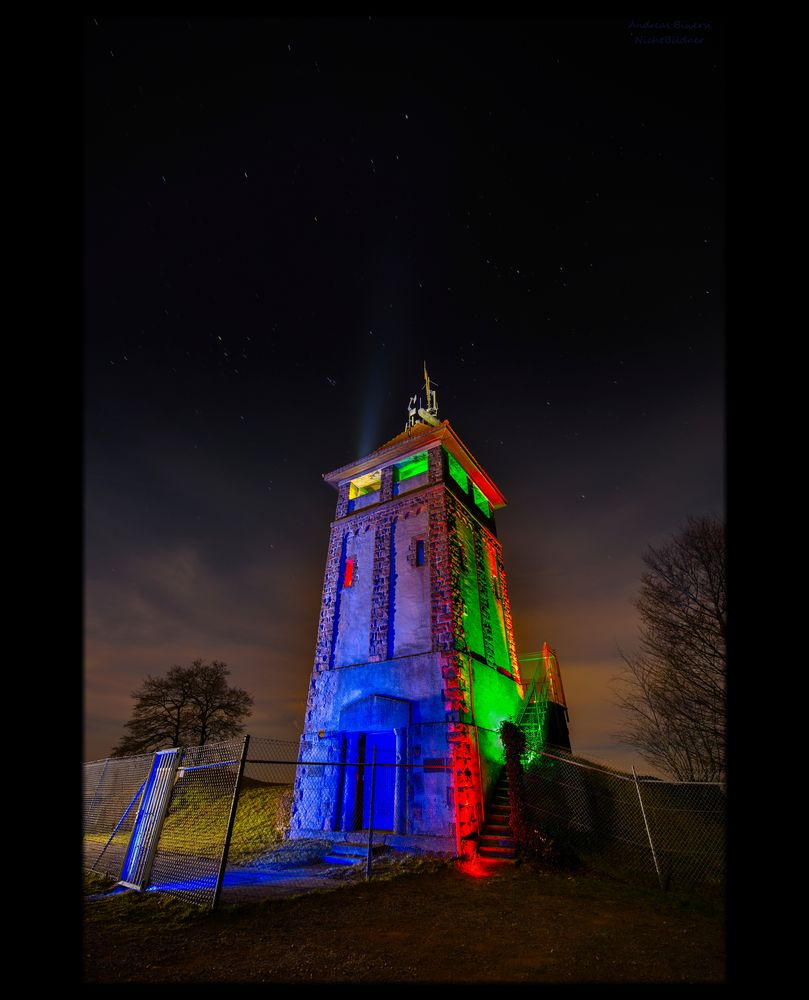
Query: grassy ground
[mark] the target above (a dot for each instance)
(198, 817)
(197, 820)
(445, 923)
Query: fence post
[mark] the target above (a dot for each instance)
(371, 818)
(646, 824)
(231, 819)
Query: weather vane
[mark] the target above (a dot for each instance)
(428, 414)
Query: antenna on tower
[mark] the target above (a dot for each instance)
(429, 414)
(432, 405)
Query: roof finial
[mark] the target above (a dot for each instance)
(428, 414)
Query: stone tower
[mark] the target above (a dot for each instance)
(415, 658)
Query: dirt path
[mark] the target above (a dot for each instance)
(446, 925)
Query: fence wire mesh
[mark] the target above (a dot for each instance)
(305, 816)
(112, 791)
(262, 857)
(192, 839)
(672, 833)
(313, 815)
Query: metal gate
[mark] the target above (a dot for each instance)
(146, 831)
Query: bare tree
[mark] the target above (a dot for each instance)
(190, 706)
(673, 689)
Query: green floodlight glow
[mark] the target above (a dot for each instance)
(456, 470)
(481, 501)
(412, 466)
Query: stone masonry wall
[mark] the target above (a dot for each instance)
(461, 735)
(512, 645)
(380, 600)
(484, 582)
(380, 519)
(444, 511)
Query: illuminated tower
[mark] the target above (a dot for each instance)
(415, 654)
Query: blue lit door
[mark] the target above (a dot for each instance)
(149, 820)
(384, 781)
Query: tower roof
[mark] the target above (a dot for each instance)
(415, 438)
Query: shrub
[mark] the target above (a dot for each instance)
(530, 838)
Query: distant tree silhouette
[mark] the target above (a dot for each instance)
(190, 706)
(673, 690)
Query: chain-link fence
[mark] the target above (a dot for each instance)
(250, 817)
(161, 821)
(112, 792)
(628, 825)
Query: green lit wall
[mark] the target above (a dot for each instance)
(492, 593)
(468, 587)
(496, 697)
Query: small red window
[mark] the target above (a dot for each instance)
(348, 578)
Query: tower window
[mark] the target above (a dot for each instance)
(481, 501)
(415, 465)
(348, 575)
(419, 551)
(456, 470)
(363, 485)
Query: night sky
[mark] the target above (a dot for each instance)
(283, 218)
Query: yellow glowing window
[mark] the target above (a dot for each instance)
(365, 484)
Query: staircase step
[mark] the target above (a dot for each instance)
(505, 853)
(346, 854)
(356, 850)
(497, 842)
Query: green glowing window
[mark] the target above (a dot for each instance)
(365, 484)
(457, 472)
(412, 466)
(481, 501)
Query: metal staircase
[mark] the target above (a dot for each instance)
(545, 687)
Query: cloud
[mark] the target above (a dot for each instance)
(170, 606)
